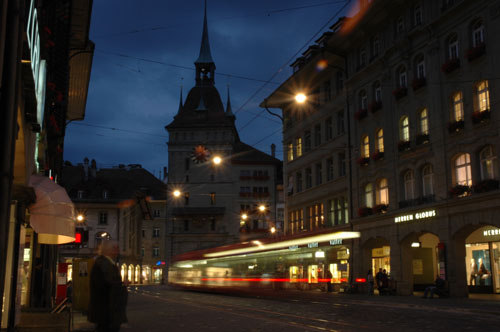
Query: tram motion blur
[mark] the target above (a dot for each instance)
(297, 263)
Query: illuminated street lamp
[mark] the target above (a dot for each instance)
(80, 218)
(273, 230)
(217, 160)
(300, 98)
(244, 216)
(262, 208)
(177, 193)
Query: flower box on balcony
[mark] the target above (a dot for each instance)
(403, 145)
(360, 114)
(450, 65)
(364, 211)
(455, 126)
(418, 83)
(375, 106)
(380, 208)
(486, 185)
(377, 155)
(475, 52)
(400, 92)
(259, 195)
(363, 161)
(459, 191)
(480, 116)
(422, 139)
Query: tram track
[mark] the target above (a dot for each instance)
(270, 316)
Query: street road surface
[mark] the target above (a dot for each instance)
(158, 308)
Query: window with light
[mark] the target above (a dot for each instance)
(424, 122)
(488, 164)
(404, 129)
(365, 147)
(380, 140)
(463, 170)
(369, 195)
(383, 192)
(458, 106)
(483, 96)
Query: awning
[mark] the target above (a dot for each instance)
(52, 216)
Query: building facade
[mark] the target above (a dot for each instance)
(220, 189)
(45, 63)
(419, 87)
(124, 203)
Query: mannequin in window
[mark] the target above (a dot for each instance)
(473, 272)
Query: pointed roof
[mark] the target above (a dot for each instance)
(205, 55)
(180, 102)
(229, 111)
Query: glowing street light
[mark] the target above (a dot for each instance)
(244, 216)
(300, 98)
(273, 230)
(177, 193)
(262, 208)
(80, 217)
(217, 160)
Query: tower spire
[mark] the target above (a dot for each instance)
(205, 66)
(180, 101)
(229, 111)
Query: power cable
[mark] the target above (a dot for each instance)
(180, 66)
(288, 61)
(269, 13)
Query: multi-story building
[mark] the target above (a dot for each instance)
(418, 84)
(224, 189)
(45, 63)
(124, 203)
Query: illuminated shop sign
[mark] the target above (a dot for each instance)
(416, 216)
(491, 232)
(312, 245)
(37, 64)
(335, 242)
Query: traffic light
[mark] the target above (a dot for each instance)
(78, 236)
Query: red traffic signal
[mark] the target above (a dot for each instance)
(78, 237)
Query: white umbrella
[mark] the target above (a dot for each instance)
(52, 216)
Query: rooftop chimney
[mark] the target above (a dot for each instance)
(273, 150)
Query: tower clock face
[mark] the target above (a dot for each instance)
(200, 154)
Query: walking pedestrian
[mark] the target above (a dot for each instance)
(369, 279)
(329, 276)
(108, 296)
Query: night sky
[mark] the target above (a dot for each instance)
(145, 51)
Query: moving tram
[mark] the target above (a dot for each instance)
(293, 262)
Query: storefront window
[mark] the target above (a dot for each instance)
(482, 260)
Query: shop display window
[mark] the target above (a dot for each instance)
(313, 274)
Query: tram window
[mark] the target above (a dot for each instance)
(313, 274)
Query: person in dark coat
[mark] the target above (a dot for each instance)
(108, 296)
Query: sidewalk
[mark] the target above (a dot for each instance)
(80, 322)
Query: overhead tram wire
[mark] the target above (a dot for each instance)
(268, 12)
(182, 67)
(118, 129)
(288, 61)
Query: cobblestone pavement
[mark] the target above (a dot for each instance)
(159, 308)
